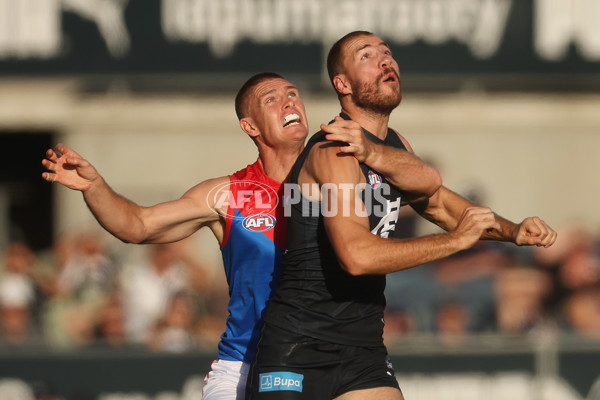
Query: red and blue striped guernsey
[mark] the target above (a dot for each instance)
(252, 249)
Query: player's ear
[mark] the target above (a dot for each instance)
(341, 84)
(249, 126)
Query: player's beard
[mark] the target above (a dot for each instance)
(371, 96)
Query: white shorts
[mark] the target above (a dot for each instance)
(226, 380)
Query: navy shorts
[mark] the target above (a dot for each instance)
(294, 367)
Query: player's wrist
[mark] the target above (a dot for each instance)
(94, 185)
(373, 155)
(459, 241)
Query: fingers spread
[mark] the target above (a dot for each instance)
(49, 165)
(61, 148)
(51, 155)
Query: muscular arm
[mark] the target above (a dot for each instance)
(358, 250)
(422, 185)
(446, 207)
(126, 220)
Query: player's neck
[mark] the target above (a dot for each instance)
(277, 164)
(374, 122)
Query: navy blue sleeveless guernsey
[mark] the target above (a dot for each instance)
(315, 296)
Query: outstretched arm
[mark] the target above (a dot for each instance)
(423, 183)
(162, 223)
(401, 168)
(446, 207)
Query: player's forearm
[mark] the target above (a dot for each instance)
(116, 214)
(384, 256)
(444, 208)
(506, 233)
(405, 171)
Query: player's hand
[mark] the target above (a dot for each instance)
(351, 133)
(534, 232)
(473, 223)
(67, 167)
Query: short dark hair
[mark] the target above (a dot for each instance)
(335, 57)
(241, 99)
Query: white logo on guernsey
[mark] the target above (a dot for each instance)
(387, 224)
(259, 222)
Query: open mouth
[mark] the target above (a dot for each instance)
(291, 120)
(390, 78)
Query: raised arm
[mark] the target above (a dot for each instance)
(446, 207)
(126, 220)
(402, 168)
(358, 250)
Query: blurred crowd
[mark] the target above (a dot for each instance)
(77, 294)
(497, 287)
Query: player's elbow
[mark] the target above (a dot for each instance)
(356, 267)
(131, 239)
(354, 260)
(134, 240)
(430, 183)
(139, 235)
(434, 183)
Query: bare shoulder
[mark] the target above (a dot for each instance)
(214, 184)
(327, 164)
(212, 193)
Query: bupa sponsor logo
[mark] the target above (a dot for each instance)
(374, 179)
(276, 381)
(259, 222)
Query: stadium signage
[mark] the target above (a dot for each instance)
(238, 36)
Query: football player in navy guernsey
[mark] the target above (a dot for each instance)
(242, 210)
(322, 337)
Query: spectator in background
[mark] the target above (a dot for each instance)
(52, 262)
(452, 323)
(17, 295)
(85, 276)
(90, 273)
(580, 267)
(581, 312)
(424, 299)
(521, 291)
(574, 266)
(174, 333)
(149, 288)
(110, 323)
(467, 279)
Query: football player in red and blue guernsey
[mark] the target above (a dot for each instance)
(242, 210)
